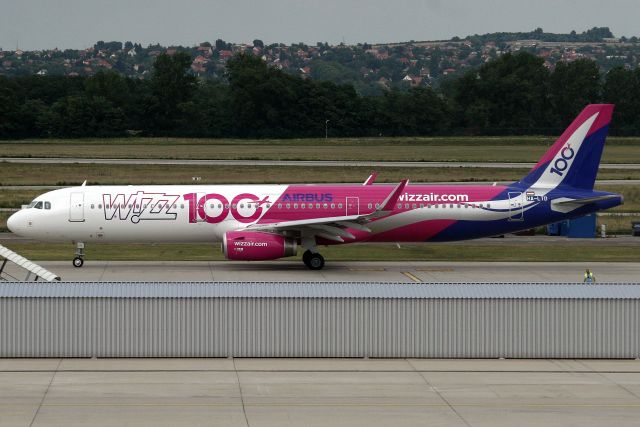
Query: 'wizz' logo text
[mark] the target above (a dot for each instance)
(140, 206)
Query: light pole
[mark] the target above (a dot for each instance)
(326, 129)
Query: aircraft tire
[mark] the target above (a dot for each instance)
(316, 262)
(78, 262)
(305, 257)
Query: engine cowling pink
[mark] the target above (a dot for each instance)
(256, 246)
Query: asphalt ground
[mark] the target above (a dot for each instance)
(405, 272)
(598, 182)
(321, 163)
(318, 392)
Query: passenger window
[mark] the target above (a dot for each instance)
(47, 205)
(377, 205)
(324, 205)
(370, 206)
(233, 205)
(279, 205)
(100, 206)
(421, 205)
(414, 206)
(399, 205)
(288, 205)
(302, 206)
(406, 205)
(339, 205)
(182, 206)
(333, 205)
(451, 206)
(241, 205)
(295, 206)
(317, 205)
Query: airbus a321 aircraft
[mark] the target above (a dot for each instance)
(266, 222)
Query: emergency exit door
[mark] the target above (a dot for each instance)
(516, 206)
(353, 206)
(76, 207)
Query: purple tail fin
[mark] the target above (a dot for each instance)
(574, 158)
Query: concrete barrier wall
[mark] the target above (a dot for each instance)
(320, 327)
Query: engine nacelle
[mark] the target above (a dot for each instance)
(256, 246)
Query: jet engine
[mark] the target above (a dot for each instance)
(256, 246)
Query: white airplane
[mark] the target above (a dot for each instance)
(265, 222)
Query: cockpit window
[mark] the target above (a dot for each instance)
(32, 204)
(38, 205)
(47, 205)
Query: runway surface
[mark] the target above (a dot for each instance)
(318, 392)
(323, 163)
(277, 271)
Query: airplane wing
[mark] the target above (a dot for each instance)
(335, 228)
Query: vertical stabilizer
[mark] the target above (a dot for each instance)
(575, 157)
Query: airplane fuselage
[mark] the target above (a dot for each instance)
(176, 213)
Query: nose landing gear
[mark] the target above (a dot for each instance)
(78, 261)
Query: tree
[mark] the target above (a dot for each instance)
(572, 86)
(507, 94)
(8, 106)
(258, 43)
(622, 87)
(170, 87)
(222, 45)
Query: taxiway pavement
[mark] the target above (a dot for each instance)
(335, 271)
(318, 392)
(320, 163)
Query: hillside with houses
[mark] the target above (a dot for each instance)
(371, 69)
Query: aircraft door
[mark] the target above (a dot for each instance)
(516, 212)
(353, 206)
(76, 207)
(200, 203)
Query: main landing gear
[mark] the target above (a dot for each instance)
(78, 261)
(314, 261)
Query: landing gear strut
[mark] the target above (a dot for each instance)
(314, 261)
(78, 261)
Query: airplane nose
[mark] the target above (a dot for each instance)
(12, 223)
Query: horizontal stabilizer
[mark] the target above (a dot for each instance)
(565, 204)
(586, 200)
